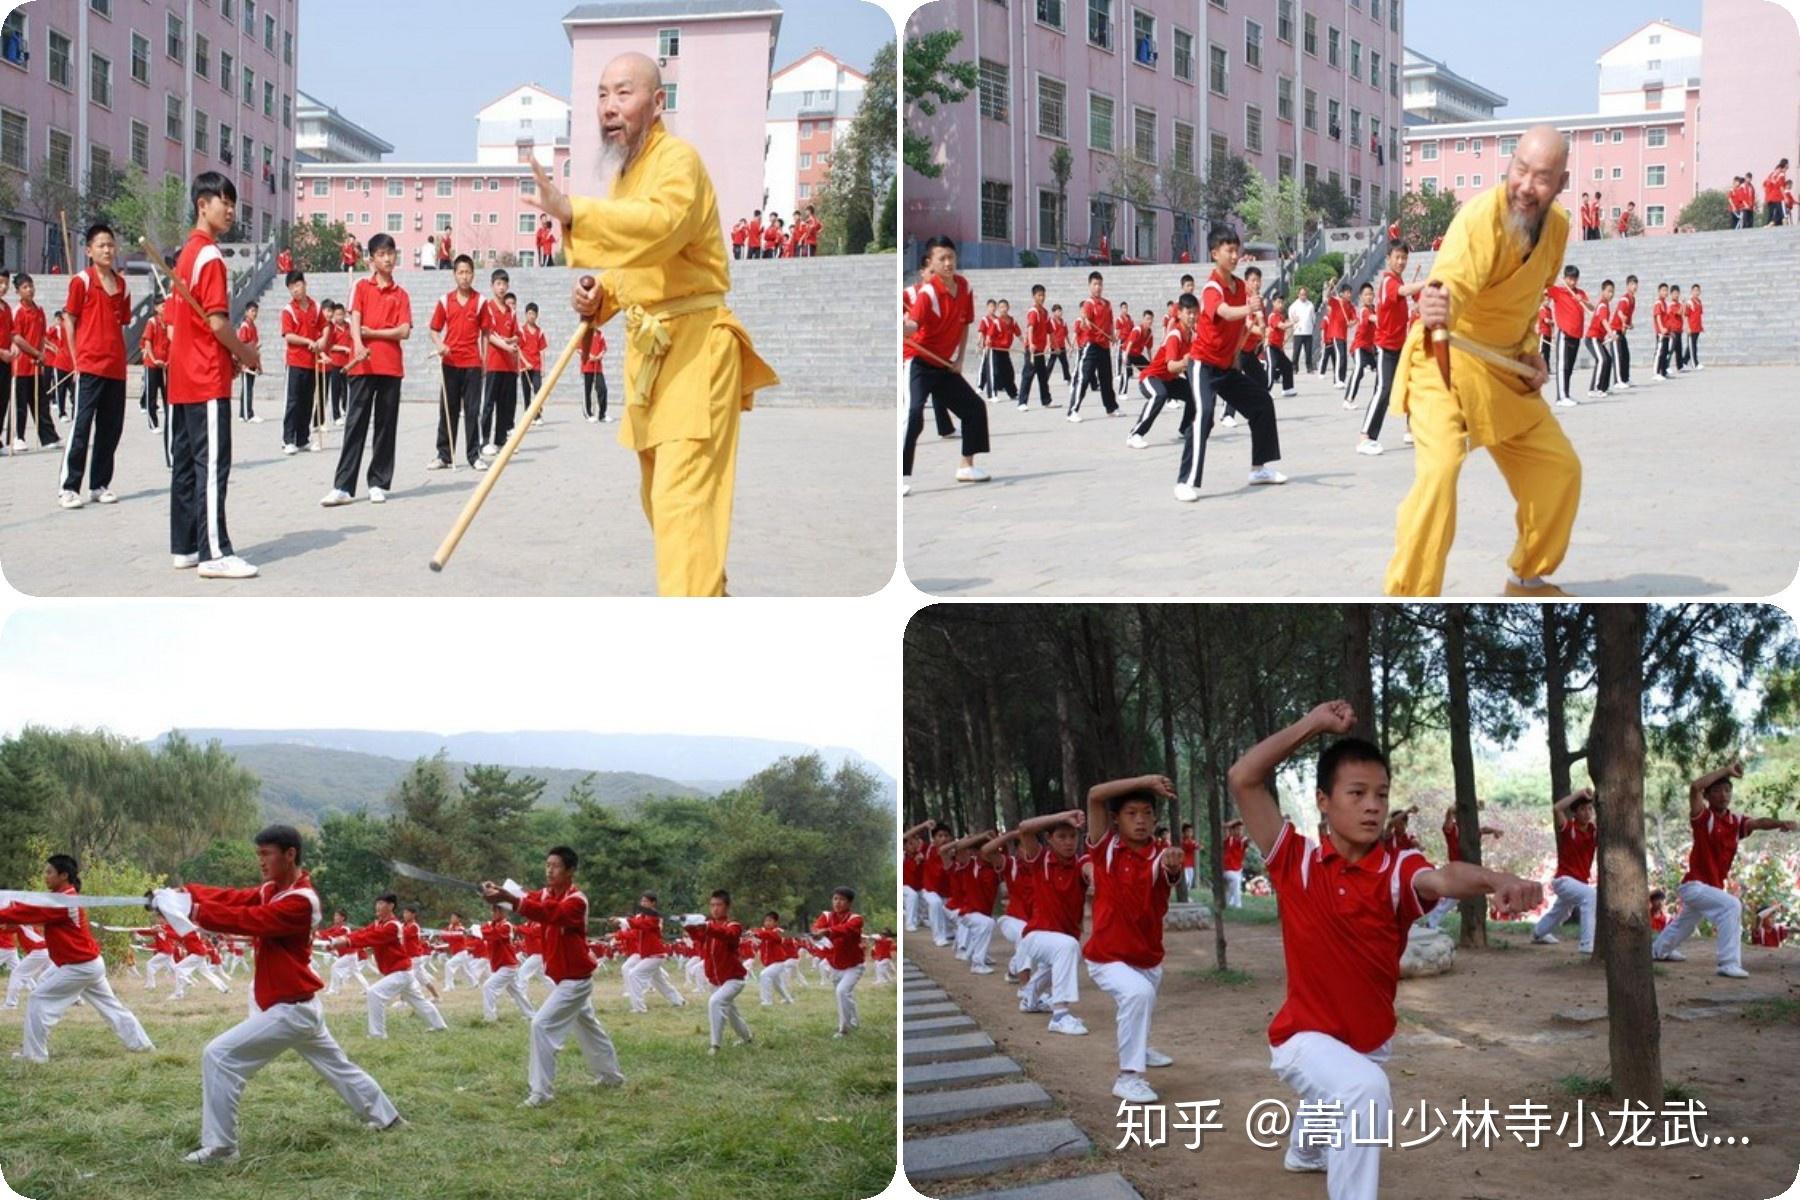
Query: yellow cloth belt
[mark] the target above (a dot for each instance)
(646, 333)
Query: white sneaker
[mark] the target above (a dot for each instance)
(19, 446)
(229, 567)
(1289, 392)
(1567, 402)
(1068, 1023)
(1368, 446)
(1734, 972)
(1349, 404)
(336, 497)
(103, 496)
(377, 496)
(1156, 1058)
(1137, 442)
(1228, 421)
(1031, 1006)
(1406, 438)
(1300, 1166)
(182, 562)
(1671, 956)
(1544, 939)
(1133, 1089)
(534, 1101)
(593, 420)
(482, 464)
(981, 969)
(490, 450)
(438, 464)
(378, 1127)
(70, 499)
(339, 422)
(906, 485)
(1267, 475)
(1186, 494)
(1075, 417)
(213, 1156)
(289, 448)
(1023, 406)
(972, 475)
(256, 420)
(315, 448)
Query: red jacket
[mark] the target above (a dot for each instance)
(499, 938)
(718, 942)
(281, 922)
(385, 938)
(845, 932)
(649, 935)
(65, 929)
(564, 918)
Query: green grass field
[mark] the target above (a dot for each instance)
(797, 1115)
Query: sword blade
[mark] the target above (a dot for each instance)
(64, 900)
(423, 876)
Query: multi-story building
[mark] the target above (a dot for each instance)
(1751, 116)
(716, 57)
(171, 87)
(1144, 95)
(327, 135)
(1436, 95)
(1652, 70)
(528, 122)
(812, 102)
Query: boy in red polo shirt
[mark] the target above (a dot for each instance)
(337, 356)
(842, 929)
(385, 936)
(1167, 376)
(1037, 350)
(1346, 903)
(153, 352)
(31, 396)
(1361, 343)
(719, 939)
(1717, 831)
(1131, 878)
(738, 229)
(456, 337)
(247, 334)
(532, 344)
(1231, 852)
(593, 377)
(1695, 314)
(546, 243)
(1059, 340)
(1001, 335)
(1571, 312)
(647, 972)
(503, 957)
(202, 355)
(1093, 349)
(350, 251)
(1048, 865)
(380, 319)
(1573, 816)
(936, 337)
(979, 889)
(984, 329)
(285, 1010)
(303, 329)
(1453, 853)
(1391, 292)
(1225, 306)
(1190, 853)
(562, 910)
(1676, 314)
(753, 235)
(1775, 186)
(934, 883)
(500, 343)
(95, 314)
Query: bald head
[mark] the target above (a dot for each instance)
(1542, 147)
(1538, 173)
(630, 100)
(635, 68)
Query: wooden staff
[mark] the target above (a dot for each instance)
(444, 407)
(448, 546)
(319, 398)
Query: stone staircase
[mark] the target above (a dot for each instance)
(968, 1113)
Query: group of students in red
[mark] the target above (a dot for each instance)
(1592, 218)
(1777, 192)
(37, 368)
(1570, 320)
(768, 236)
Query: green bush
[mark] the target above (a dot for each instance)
(1708, 210)
(1028, 259)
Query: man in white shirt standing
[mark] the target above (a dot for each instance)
(1301, 316)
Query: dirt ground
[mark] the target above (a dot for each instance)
(1485, 1030)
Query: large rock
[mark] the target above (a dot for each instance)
(1192, 915)
(1428, 952)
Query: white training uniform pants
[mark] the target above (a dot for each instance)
(909, 907)
(241, 1051)
(158, 962)
(460, 961)
(400, 985)
(774, 976)
(846, 998)
(1013, 929)
(506, 980)
(980, 936)
(421, 972)
(531, 968)
(695, 970)
(1052, 958)
(1324, 1070)
(25, 976)
(9, 958)
(1702, 900)
(1439, 911)
(62, 986)
(1234, 889)
(343, 969)
(721, 1007)
(1572, 896)
(1187, 873)
(1133, 990)
(938, 917)
(570, 1005)
(884, 970)
(645, 974)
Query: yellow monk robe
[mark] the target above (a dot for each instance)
(1494, 299)
(664, 262)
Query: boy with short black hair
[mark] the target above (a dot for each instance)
(303, 329)
(1093, 343)
(500, 340)
(532, 344)
(456, 340)
(31, 399)
(1048, 868)
(1573, 817)
(380, 319)
(593, 377)
(95, 314)
(247, 334)
(843, 929)
(718, 939)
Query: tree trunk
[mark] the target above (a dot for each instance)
(1215, 821)
(1359, 680)
(1462, 764)
(1167, 714)
(1556, 718)
(1074, 795)
(1005, 769)
(1616, 758)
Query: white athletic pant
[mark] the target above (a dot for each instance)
(26, 975)
(695, 969)
(909, 906)
(343, 968)
(506, 980)
(570, 1005)
(645, 974)
(980, 936)
(625, 975)
(1324, 1070)
(9, 958)
(241, 1051)
(1439, 911)
(1052, 958)
(1723, 909)
(458, 962)
(721, 1007)
(62, 986)
(846, 998)
(884, 970)
(1133, 990)
(1234, 889)
(938, 917)
(421, 973)
(1013, 930)
(193, 965)
(400, 985)
(774, 976)
(531, 968)
(1187, 873)
(1572, 896)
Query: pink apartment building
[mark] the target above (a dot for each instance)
(173, 87)
(1752, 112)
(716, 58)
(1154, 89)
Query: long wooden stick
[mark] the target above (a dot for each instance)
(1488, 354)
(444, 407)
(448, 546)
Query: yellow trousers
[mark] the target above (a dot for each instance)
(686, 491)
(1540, 468)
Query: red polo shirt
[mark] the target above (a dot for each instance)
(459, 321)
(596, 351)
(1390, 312)
(303, 319)
(381, 307)
(1215, 338)
(281, 924)
(1575, 851)
(200, 368)
(1019, 879)
(982, 889)
(100, 322)
(1131, 897)
(1567, 304)
(845, 932)
(1002, 333)
(531, 346)
(1716, 838)
(27, 323)
(564, 918)
(66, 933)
(1173, 347)
(941, 317)
(496, 321)
(933, 875)
(719, 943)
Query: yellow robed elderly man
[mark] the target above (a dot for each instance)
(1502, 249)
(689, 366)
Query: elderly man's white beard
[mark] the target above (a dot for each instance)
(614, 158)
(1522, 229)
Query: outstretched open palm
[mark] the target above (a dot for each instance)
(549, 199)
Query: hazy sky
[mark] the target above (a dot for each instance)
(808, 671)
(443, 59)
(1540, 54)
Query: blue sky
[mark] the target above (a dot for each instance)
(443, 59)
(1539, 54)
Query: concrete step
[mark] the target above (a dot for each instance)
(937, 1025)
(933, 995)
(927, 1076)
(945, 1048)
(921, 1012)
(1111, 1186)
(938, 1108)
(985, 1151)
